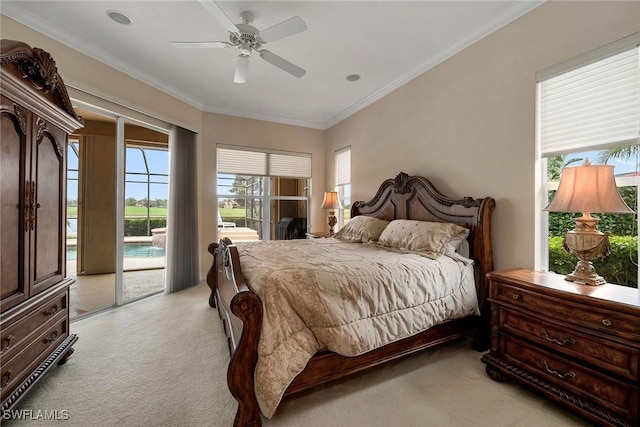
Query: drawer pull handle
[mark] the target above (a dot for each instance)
(606, 322)
(6, 377)
(516, 296)
(566, 341)
(52, 337)
(7, 344)
(556, 373)
(53, 310)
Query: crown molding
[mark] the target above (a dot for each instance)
(508, 15)
(265, 117)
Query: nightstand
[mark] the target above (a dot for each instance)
(578, 345)
(319, 235)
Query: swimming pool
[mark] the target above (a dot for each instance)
(130, 251)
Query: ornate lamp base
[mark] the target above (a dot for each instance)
(331, 220)
(585, 273)
(586, 243)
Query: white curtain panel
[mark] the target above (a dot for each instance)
(182, 222)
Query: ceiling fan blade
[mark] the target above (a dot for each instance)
(199, 45)
(242, 69)
(218, 13)
(282, 63)
(284, 29)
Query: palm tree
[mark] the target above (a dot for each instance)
(555, 165)
(623, 153)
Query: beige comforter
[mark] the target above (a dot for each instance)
(345, 297)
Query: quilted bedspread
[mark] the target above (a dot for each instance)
(349, 298)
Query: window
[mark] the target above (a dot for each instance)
(146, 189)
(589, 108)
(343, 183)
(72, 188)
(262, 194)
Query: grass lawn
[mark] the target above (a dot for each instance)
(129, 211)
(232, 213)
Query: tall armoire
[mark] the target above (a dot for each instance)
(37, 117)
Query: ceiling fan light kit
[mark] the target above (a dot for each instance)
(247, 39)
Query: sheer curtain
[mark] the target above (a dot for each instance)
(182, 224)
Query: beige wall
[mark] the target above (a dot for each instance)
(469, 123)
(97, 196)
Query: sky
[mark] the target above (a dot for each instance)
(157, 160)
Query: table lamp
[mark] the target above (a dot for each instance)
(588, 189)
(331, 202)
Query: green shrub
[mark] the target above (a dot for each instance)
(619, 267)
(138, 226)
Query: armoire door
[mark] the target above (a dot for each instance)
(48, 230)
(13, 189)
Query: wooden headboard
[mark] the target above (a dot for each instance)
(415, 197)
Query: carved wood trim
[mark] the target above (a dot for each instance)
(240, 375)
(60, 354)
(38, 68)
(497, 364)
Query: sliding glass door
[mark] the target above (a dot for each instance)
(146, 193)
(117, 191)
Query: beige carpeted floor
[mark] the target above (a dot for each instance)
(162, 361)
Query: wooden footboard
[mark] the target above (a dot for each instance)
(241, 312)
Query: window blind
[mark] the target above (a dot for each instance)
(343, 166)
(595, 105)
(285, 165)
(263, 163)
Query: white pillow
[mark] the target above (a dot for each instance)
(425, 237)
(362, 229)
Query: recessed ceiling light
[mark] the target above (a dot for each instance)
(119, 17)
(353, 77)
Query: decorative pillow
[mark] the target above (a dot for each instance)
(425, 237)
(362, 229)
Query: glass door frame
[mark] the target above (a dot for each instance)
(120, 187)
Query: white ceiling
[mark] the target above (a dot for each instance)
(387, 42)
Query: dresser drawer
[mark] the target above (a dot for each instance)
(18, 334)
(15, 370)
(591, 316)
(608, 355)
(607, 392)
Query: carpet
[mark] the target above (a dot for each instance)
(162, 361)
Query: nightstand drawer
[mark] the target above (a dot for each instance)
(606, 354)
(617, 396)
(595, 318)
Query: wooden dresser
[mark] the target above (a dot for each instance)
(578, 345)
(36, 116)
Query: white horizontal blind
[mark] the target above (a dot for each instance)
(592, 106)
(263, 163)
(343, 166)
(242, 162)
(286, 165)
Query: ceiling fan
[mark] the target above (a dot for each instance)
(247, 39)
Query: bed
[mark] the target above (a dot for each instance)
(375, 319)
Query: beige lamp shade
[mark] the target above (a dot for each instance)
(588, 188)
(331, 200)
